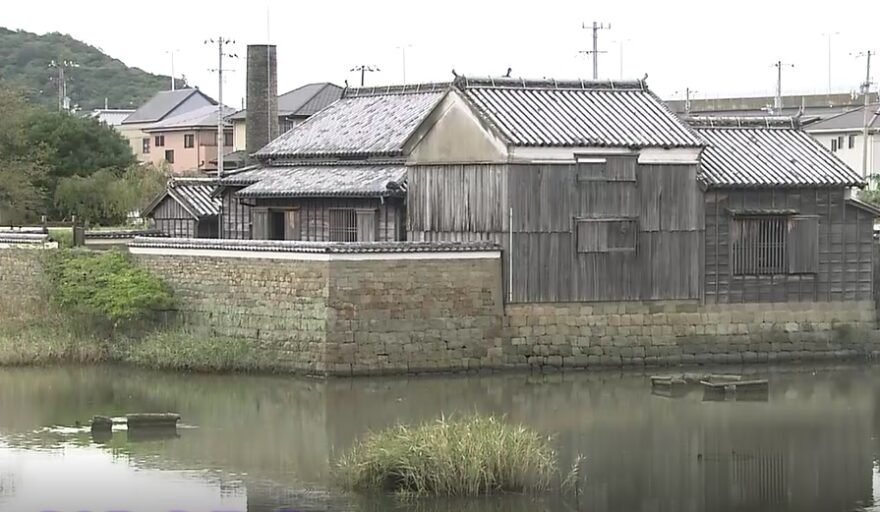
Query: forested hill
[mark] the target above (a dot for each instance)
(25, 60)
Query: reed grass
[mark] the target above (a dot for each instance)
(467, 456)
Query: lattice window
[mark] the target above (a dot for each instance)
(343, 225)
(758, 245)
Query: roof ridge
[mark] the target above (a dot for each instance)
(384, 90)
(465, 82)
(744, 122)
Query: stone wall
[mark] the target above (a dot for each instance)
(671, 333)
(414, 315)
(280, 305)
(21, 280)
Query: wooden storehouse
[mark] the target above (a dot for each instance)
(187, 209)
(781, 221)
(338, 176)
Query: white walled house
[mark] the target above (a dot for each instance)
(843, 135)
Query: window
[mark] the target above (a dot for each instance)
(343, 225)
(169, 156)
(189, 140)
(774, 244)
(840, 142)
(146, 145)
(227, 139)
(606, 235)
(606, 169)
(852, 142)
(160, 141)
(834, 144)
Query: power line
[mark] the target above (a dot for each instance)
(61, 65)
(777, 101)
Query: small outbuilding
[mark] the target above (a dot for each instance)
(187, 209)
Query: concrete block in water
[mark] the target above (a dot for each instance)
(102, 424)
(152, 420)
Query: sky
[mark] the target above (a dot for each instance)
(714, 48)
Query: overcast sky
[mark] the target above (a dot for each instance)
(715, 48)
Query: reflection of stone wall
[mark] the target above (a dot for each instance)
(672, 333)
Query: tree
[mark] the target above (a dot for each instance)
(23, 168)
(871, 193)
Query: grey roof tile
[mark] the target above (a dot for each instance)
(365, 122)
(311, 247)
(762, 152)
(577, 113)
(302, 101)
(162, 104)
(330, 180)
(195, 195)
(202, 117)
(850, 121)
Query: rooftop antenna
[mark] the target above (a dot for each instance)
(596, 27)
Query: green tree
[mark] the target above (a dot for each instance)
(23, 167)
(871, 193)
(106, 197)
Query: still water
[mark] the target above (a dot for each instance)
(261, 444)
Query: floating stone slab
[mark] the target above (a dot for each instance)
(163, 420)
(102, 424)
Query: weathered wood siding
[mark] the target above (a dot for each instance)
(314, 217)
(170, 218)
(663, 258)
(845, 248)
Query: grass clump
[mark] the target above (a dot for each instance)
(468, 456)
(180, 350)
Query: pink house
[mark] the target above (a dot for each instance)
(187, 141)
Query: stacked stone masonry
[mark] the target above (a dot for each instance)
(673, 333)
(21, 278)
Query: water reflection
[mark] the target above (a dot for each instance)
(262, 443)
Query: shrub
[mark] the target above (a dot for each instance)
(106, 284)
(450, 457)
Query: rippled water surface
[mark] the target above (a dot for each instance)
(268, 443)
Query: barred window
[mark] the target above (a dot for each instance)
(343, 225)
(758, 245)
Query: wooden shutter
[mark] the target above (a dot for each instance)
(260, 226)
(803, 244)
(292, 230)
(366, 225)
(606, 235)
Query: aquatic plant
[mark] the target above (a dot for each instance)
(466, 456)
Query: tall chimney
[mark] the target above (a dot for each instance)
(262, 96)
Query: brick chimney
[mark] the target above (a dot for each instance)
(262, 96)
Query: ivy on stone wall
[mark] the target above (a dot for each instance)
(106, 284)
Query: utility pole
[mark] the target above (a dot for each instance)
(61, 65)
(596, 27)
(172, 52)
(777, 103)
(403, 58)
(363, 68)
(830, 35)
(221, 136)
(687, 100)
(866, 91)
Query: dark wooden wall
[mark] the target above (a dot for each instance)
(845, 268)
(549, 202)
(314, 216)
(170, 218)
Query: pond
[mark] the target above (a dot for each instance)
(260, 443)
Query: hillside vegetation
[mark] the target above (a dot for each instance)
(25, 63)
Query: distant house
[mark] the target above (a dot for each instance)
(161, 106)
(185, 209)
(187, 142)
(294, 107)
(112, 117)
(811, 107)
(843, 134)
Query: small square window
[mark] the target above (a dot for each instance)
(146, 145)
(169, 156)
(852, 142)
(189, 140)
(227, 139)
(343, 225)
(160, 141)
(833, 145)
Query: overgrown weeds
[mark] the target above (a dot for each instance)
(467, 456)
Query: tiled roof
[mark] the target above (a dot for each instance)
(110, 117)
(195, 195)
(365, 122)
(162, 104)
(202, 117)
(311, 247)
(121, 233)
(854, 120)
(762, 152)
(577, 113)
(302, 101)
(13, 238)
(327, 180)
